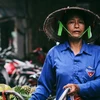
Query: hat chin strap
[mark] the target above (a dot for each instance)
(61, 26)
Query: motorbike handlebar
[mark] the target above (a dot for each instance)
(62, 97)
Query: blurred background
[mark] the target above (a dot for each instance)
(21, 22)
(23, 44)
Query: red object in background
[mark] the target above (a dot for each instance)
(37, 49)
(41, 58)
(40, 54)
(10, 67)
(76, 97)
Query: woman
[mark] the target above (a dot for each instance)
(74, 63)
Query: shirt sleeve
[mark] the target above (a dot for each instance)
(91, 89)
(45, 81)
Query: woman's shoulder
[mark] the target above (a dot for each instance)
(58, 48)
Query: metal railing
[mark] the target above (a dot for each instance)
(7, 93)
(19, 97)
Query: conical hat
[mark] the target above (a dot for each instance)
(50, 25)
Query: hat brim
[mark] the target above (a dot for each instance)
(50, 25)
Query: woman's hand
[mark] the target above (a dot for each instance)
(74, 89)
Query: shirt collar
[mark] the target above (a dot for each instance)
(64, 46)
(85, 47)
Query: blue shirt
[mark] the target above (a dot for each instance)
(61, 67)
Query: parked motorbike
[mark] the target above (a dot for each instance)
(22, 73)
(4, 77)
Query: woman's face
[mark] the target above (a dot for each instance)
(75, 26)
